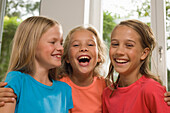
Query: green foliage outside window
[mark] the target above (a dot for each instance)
(15, 9)
(108, 25)
(10, 25)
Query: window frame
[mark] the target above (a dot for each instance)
(158, 25)
(95, 17)
(2, 13)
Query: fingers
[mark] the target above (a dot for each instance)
(168, 103)
(167, 94)
(6, 100)
(2, 104)
(7, 95)
(2, 84)
(7, 92)
(167, 98)
(3, 90)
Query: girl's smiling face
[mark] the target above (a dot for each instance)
(50, 49)
(83, 52)
(126, 52)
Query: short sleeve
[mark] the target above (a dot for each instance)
(14, 80)
(154, 97)
(69, 98)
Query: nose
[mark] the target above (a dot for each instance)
(120, 50)
(83, 48)
(59, 47)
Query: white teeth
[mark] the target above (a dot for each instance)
(120, 61)
(84, 57)
(59, 56)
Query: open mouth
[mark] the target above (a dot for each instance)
(84, 59)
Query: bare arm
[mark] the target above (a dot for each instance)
(8, 107)
(6, 94)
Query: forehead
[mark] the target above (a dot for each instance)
(54, 32)
(83, 34)
(125, 32)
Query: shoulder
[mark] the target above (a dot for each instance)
(153, 96)
(107, 93)
(152, 87)
(64, 79)
(100, 81)
(14, 75)
(15, 80)
(108, 90)
(61, 84)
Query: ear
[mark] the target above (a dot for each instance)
(99, 60)
(145, 53)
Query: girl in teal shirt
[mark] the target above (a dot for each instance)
(36, 53)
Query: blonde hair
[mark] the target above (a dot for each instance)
(66, 68)
(25, 43)
(147, 41)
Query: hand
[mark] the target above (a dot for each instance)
(167, 98)
(6, 94)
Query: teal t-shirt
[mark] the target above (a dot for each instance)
(35, 97)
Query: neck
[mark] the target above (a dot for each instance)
(128, 80)
(41, 75)
(82, 79)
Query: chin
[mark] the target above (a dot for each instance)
(55, 66)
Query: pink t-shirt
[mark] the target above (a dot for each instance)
(143, 96)
(87, 99)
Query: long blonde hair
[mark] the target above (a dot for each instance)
(66, 68)
(25, 43)
(147, 41)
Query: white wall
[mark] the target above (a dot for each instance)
(71, 13)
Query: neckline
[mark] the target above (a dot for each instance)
(41, 84)
(136, 82)
(82, 87)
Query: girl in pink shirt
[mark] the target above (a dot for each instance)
(136, 90)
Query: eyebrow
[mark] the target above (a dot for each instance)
(79, 40)
(131, 41)
(73, 41)
(126, 40)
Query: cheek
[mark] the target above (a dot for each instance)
(70, 52)
(96, 51)
(111, 51)
(135, 54)
(48, 49)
